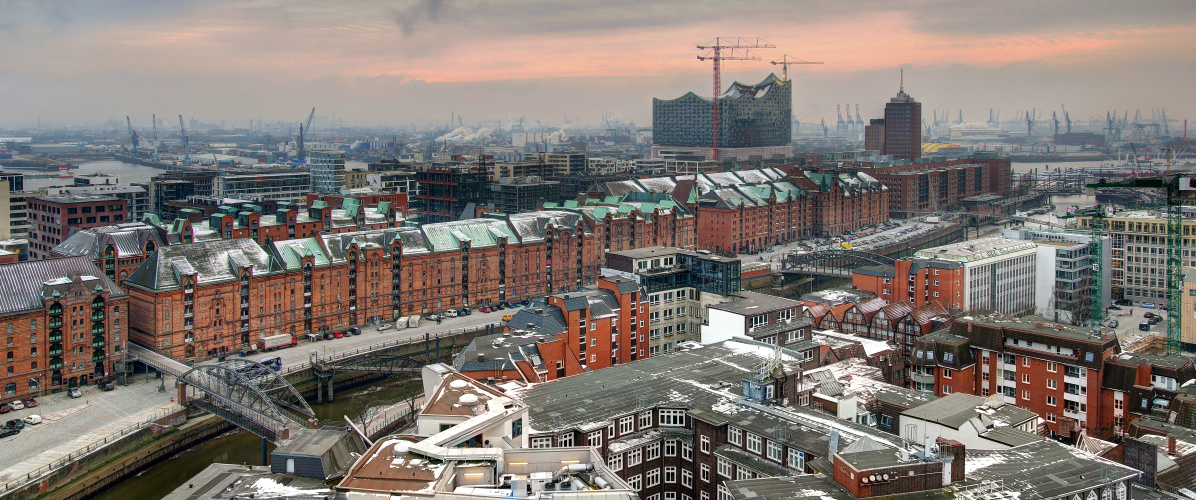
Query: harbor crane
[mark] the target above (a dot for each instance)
(840, 126)
(1066, 118)
(154, 117)
(132, 135)
(1030, 123)
(304, 129)
(786, 60)
(857, 116)
(727, 49)
(183, 132)
(1055, 118)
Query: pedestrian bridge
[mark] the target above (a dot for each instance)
(246, 393)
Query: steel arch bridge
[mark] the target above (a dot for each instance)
(251, 395)
(836, 258)
(372, 362)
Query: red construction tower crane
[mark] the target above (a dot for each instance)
(727, 49)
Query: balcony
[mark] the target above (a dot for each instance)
(244, 327)
(55, 322)
(55, 336)
(244, 303)
(188, 314)
(244, 292)
(188, 301)
(56, 363)
(56, 352)
(97, 344)
(244, 316)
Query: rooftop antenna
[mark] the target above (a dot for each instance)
(901, 88)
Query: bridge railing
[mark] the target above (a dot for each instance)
(389, 345)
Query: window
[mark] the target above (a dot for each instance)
(705, 445)
(724, 493)
(652, 478)
(594, 439)
(1050, 417)
(947, 389)
(702, 495)
(1051, 401)
(735, 435)
(797, 460)
(542, 442)
(615, 462)
(565, 440)
(756, 321)
(687, 478)
(653, 451)
(1118, 404)
(672, 418)
(627, 425)
(704, 473)
(1025, 394)
(754, 444)
(670, 448)
(610, 431)
(1025, 361)
(670, 475)
(724, 468)
(1025, 378)
(946, 373)
(517, 427)
(774, 451)
(743, 474)
(1051, 384)
(645, 419)
(1052, 366)
(634, 482)
(687, 451)
(634, 457)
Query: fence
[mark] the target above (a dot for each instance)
(45, 470)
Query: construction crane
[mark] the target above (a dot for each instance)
(840, 126)
(727, 49)
(1174, 186)
(1066, 118)
(786, 60)
(154, 117)
(183, 133)
(304, 129)
(1055, 118)
(1029, 124)
(132, 135)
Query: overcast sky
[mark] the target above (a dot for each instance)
(402, 61)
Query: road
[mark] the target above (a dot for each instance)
(299, 355)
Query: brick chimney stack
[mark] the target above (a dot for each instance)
(1171, 445)
(1142, 378)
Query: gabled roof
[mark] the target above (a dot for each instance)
(128, 239)
(26, 284)
(210, 261)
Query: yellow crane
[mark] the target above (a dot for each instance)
(786, 60)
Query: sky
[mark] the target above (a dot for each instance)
(419, 61)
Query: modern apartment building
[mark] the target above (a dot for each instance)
(522, 194)
(753, 120)
(53, 216)
(327, 171)
(1138, 264)
(277, 185)
(1065, 296)
(680, 285)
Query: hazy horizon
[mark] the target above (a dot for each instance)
(394, 63)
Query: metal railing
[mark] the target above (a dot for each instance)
(387, 345)
(72, 457)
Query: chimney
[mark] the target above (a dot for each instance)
(969, 326)
(1171, 445)
(1143, 374)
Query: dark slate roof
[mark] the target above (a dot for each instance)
(754, 303)
(1044, 469)
(810, 486)
(1011, 436)
(211, 261)
(624, 285)
(902, 397)
(129, 240)
(955, 410)
(706, 380)
(549, 322)
(501, 347)
(24, 283)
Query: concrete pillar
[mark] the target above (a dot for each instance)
(319, 389)
(182, 393)
(330, 377)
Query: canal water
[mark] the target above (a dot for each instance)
(241, 447)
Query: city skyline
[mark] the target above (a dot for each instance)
(375, 63)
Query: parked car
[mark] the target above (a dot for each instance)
(15, 423)
(74, 392)
(450, 313)
(1124, 302)
(5, 408)
(1144, 326)
(501, 306)
(328, 336)
(465, 311)
(8, 431)
(1112, 323)
(30, 403)
(431, 317)
(485, 309)
(1114, 308)
(1148, 305)
(386, 326)
(507, 317)
(355, 331)
(108, 386)
(1150, 315)
(17, 405)
(33, 419)
(337, 335)
(1155, 320)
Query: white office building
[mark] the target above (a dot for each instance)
(327, 171)
(999, 273)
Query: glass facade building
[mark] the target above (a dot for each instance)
(750, 116)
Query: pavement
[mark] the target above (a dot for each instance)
(71, 424)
